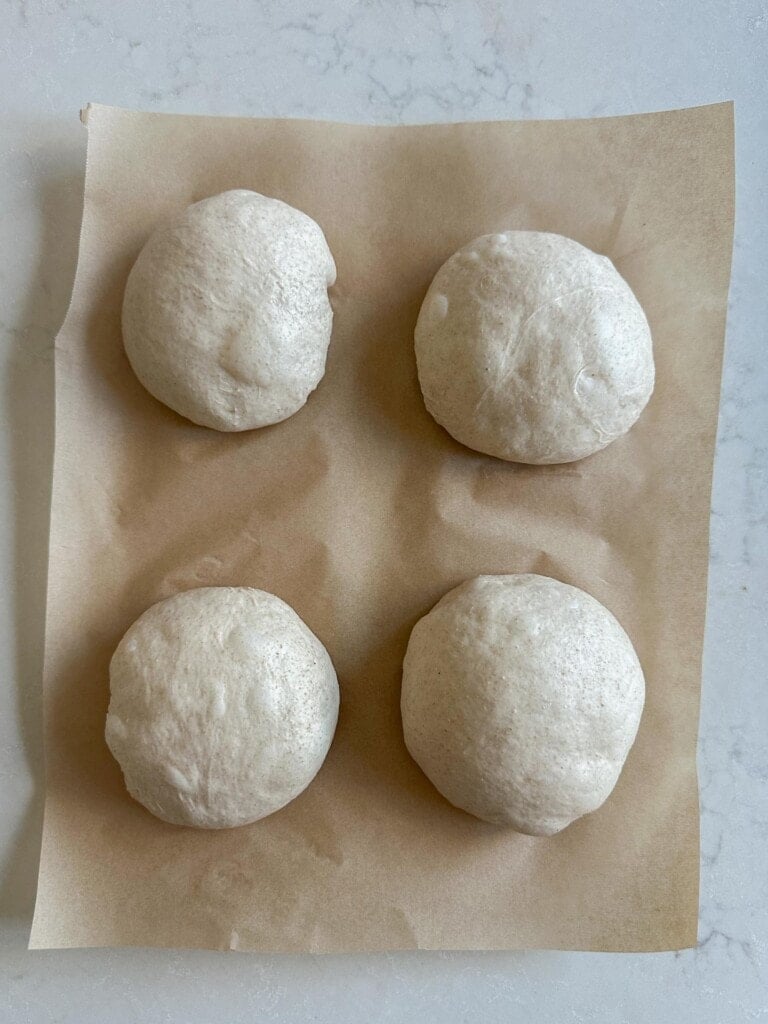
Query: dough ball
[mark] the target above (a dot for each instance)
(533, 349)
(226, 317)
(223, 706)
(521, 699)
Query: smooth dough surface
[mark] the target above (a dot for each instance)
(223, 706)
(521, 699)
(226, 317)
(532, 348)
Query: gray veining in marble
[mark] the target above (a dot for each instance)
(389, 62)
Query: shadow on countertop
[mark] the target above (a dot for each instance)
(52, 164)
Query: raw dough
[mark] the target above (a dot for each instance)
(532, 348)
(226, 317)
(223, 706)
(521, 699)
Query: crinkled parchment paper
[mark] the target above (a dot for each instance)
(361, 512)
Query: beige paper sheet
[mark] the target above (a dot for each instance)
(361, 512)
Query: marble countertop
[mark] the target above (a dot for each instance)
(385, 61)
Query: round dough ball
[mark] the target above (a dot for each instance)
(533, 349)
(226, 317)
(521, 699)
(223, 706)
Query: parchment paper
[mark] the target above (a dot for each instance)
(361, 512)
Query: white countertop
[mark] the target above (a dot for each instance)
(386, 61)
